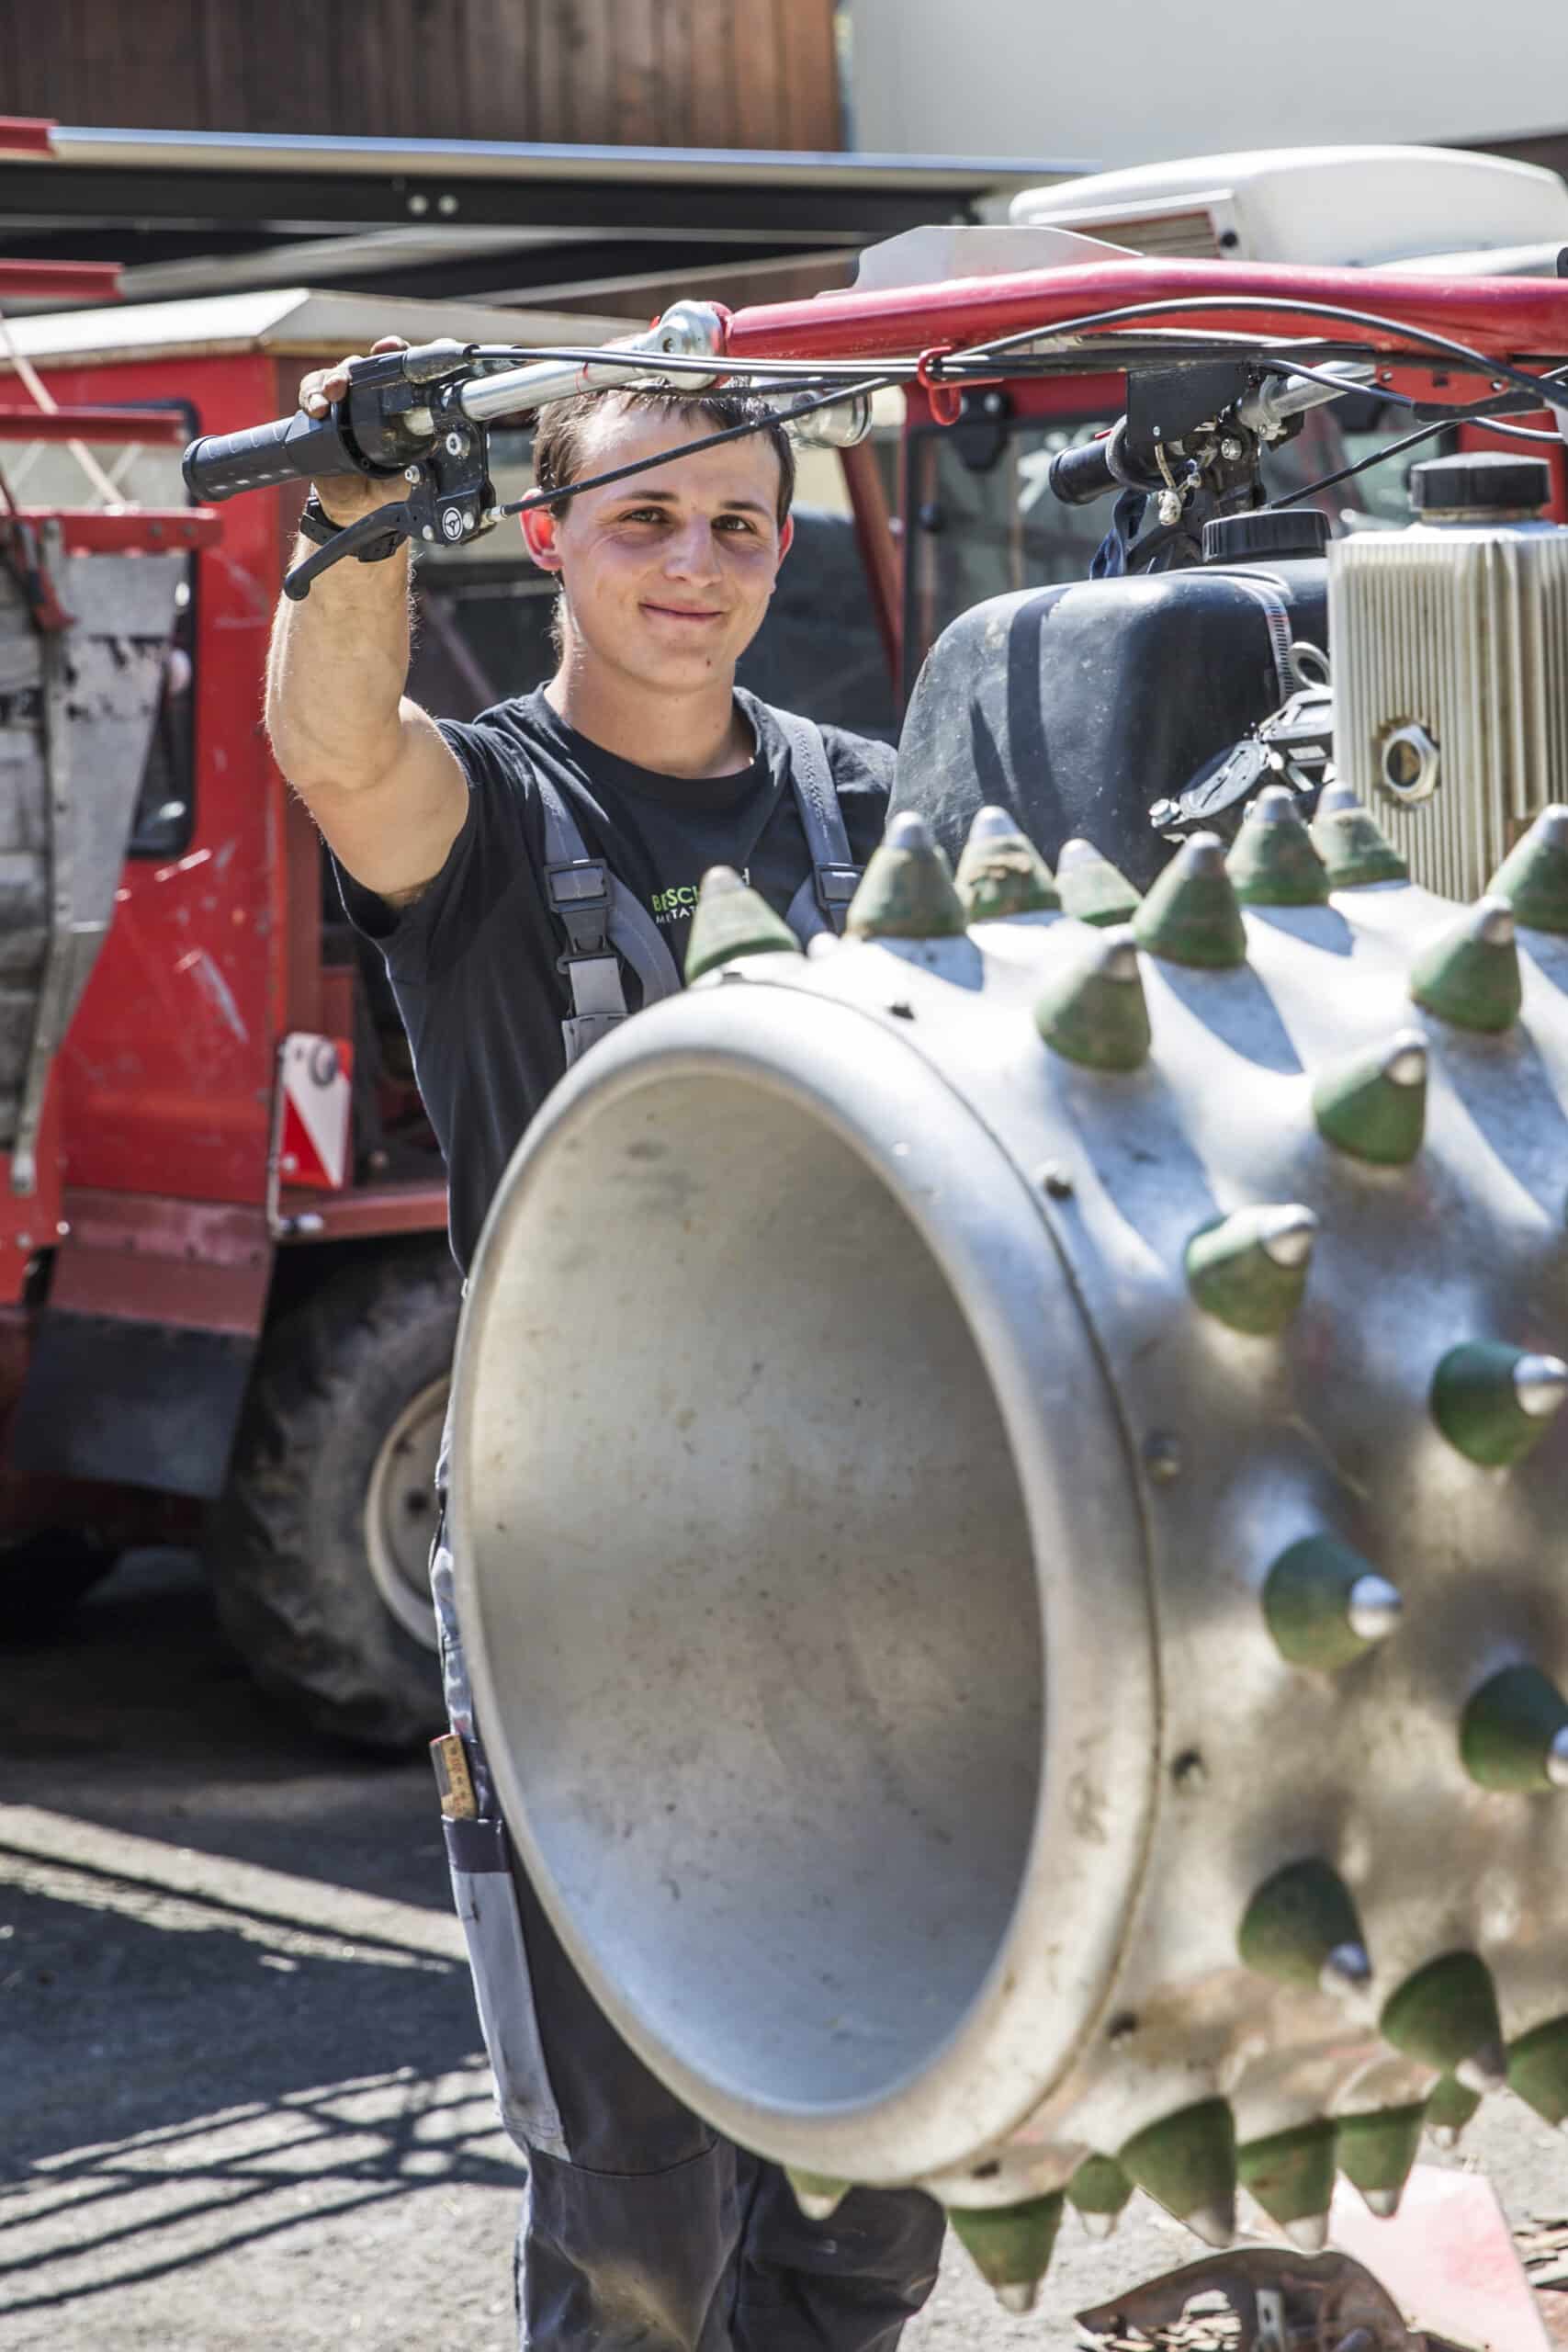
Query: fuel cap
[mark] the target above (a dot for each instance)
(1486, 482)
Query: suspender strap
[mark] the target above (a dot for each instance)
(822, 903)
(603, 922)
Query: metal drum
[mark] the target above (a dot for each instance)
(1010, 1495)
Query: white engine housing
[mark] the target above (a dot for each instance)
(1459, 635)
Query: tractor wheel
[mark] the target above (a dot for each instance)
(318, 1549)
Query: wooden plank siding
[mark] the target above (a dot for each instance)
(638, 72)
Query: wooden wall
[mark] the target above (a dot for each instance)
(655, 73)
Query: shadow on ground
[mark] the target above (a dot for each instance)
(238, 2032)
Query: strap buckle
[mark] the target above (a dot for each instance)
(594, 980)
(836, 885)
(579, 894)
(582, 886)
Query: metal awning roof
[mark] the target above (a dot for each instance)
(289, 321)
(197, 212)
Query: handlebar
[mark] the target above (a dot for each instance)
(1077, 476)
(292, 449)
(387, 423)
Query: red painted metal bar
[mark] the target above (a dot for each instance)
(1505, 317)
(153, 1225)
(165, 427)
(879, 551)
(60, 281)
(27, 134)
(363, 1213)
(153, 530)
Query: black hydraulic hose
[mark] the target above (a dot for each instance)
(1179, 304)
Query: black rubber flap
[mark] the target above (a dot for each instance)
(136, 1404)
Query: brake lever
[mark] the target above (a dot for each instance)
(449, 500)
(377, 524)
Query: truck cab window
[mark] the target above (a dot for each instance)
(981, 520)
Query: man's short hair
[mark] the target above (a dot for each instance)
(562, 428)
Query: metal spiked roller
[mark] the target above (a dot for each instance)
(1010, 1481)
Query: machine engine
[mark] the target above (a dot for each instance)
(1430, 664)
(1451, 645)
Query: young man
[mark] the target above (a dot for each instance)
(519, 875)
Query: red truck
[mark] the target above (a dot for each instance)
(228, 1303)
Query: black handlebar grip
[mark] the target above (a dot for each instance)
(1081, 473)
(292, 449)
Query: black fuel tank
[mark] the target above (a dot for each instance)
(1079, 707)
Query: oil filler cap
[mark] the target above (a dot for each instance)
(1266, 535)
(1489, 483)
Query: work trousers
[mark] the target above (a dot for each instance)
(642, 2229)
(648, 2233)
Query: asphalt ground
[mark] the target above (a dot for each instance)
(243, 2102)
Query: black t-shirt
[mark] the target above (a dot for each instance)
(472, 961)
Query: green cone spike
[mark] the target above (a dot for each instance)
(907, 889)
(1191, 914)
(1446, 2016)
(1538, 2070)
(1011, 2245)
(1449, 2110)
(1374, 1104)
(1001, 873)
(1097, 2191)
(1325, 1605)
(1291, 2176)
(1273, 860)
(1186, 2163)
(1533, 878)
(817, 2194)
(1091, 888)
(1495, 1402)
(1352, 843)
(732, 920)
(1300, 1928)
(1250, 1269)
(1469, 974)
(1515, 1733)
(1094, 1010)
(1375, 2152)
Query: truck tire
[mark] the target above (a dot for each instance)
(317, 1549)
(43, 1576)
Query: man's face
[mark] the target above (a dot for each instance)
(667, 575)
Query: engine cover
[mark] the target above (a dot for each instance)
(1079, 707)
(1450, 681)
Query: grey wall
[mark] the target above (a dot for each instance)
(1138, 81)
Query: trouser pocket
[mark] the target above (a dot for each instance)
(478, 1854)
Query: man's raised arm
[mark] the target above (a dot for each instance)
(369, 764)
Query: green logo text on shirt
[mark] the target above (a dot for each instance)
(676, 904)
